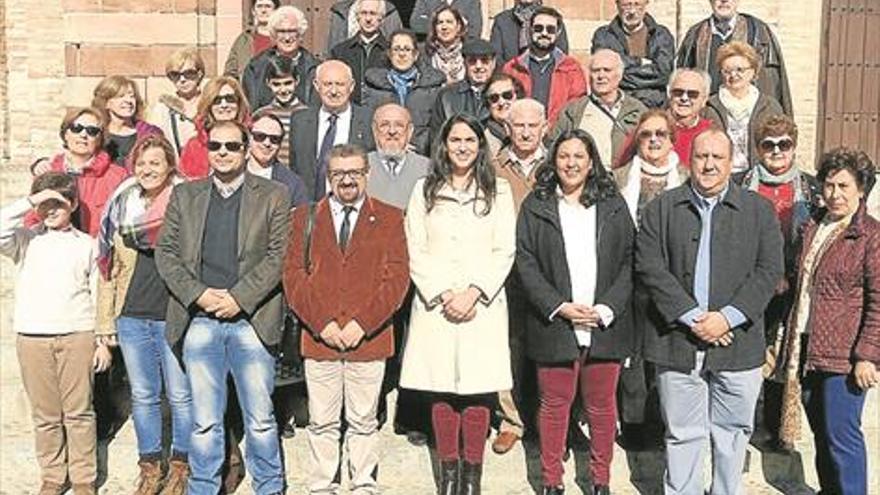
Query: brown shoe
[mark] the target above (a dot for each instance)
(150, 480)
(49, 488)
(234, 476)
(87, 489)
(178, 474)
(504, 442)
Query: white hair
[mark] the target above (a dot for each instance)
(288, 12)
(353, 26)
(617, 57)
(526, 104)
(707, 79)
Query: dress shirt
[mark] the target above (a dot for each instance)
(337, 209)
(343, 127)
(227, 189)
(526, 165)
(724, 35)
(259, 170)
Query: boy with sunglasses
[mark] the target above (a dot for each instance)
(54, 317)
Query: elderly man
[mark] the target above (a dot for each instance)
(702, 41)
(466, 96)
(351, 249)
(343, 23)
(368, 48)
(220, 252)
(545, 72)
(512, 30)
(394, 169)
(688, 92)
(336, 121)
(517, 163)
(647, 49)
(710, 256)
(287, 26)
(608, 113)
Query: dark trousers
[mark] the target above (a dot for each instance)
(834, 406)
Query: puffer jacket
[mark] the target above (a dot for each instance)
(568, 81)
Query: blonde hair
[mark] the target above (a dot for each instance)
(184, 55)
(111, 87)
(738, 49)
(212, 89)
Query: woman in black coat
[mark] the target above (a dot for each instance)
(574, 255)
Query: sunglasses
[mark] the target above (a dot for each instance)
(782, 144)
(231, 146)
(189, 75)
(495, 97)
(230, 98)
(541, 28)
(692, 94)
(262, 136)
(648, 134)
(355, 173)
(91, 130)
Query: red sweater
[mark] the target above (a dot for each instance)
(684, 139)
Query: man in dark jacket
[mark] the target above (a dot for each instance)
(647, 49)
(339, 27)
(701, 43)
(710, 256)
(466, 96)
(365, 50)
(511, 33)
(288, 25)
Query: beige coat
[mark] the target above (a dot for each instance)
(111, 293)
(453, 248)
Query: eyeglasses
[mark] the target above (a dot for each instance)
(735, 71)
(692, 94)
(540, 28)
(91, 130)
(231, 146)
(508, 95)
(262, 136)
(402, 49)
(648, 134)
(230, 98)
(189, 75)
(782, 144)
(355, 173)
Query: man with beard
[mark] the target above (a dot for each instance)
(511, 30)
(647, 49)
(393, 169)
(546, 73)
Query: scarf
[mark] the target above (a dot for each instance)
(762, 175)
(802, 201)
(704, 40)
(129, 215)
(632, 189)
(523, 14)
(401, 82)
(739, 108)
(449, 60)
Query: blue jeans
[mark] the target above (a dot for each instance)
(211, 350)
(834, 409)
(150, 364)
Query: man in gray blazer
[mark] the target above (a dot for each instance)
(220, 252)
(314, 131)
(710, 255)
(394, 169)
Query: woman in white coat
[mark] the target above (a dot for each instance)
(460, 228)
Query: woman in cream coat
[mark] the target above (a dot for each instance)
(460, 228)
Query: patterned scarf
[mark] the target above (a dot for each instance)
(449, 60)
(523, 14)
(129, 215)
(402, 82)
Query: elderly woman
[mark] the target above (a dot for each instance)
(460, 226)
(118, 97)
(831, 346)
(575, 242)
(501, 91)
(253, 41)
(132, 302)
(445, 40)
(175, 114)
(739, 107)
(222, 99)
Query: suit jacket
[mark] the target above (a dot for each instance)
(304, 143)
(262, 239)
(367, 282)
(746, 266)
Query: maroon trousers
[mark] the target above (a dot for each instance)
(558, 384)
(461, 424)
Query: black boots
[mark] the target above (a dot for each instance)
(460, 481)
(471, 476)
(554, 490)
(601, 490)
(448, 478)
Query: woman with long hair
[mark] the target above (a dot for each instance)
(460, 235)
(445, 40)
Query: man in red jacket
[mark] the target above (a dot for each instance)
(545, 71)
(345, 274)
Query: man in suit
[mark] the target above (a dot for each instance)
(336, 121)
(220, 253)
(394, 169)
(710, 255)
(357, 259)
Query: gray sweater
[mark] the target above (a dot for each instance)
(395, 189)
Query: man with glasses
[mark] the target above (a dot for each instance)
(546, 73)
(726, 24)
(368, 48)
(512, 33)
(267, 137)
(287, 26)
(688, 92)
(350, 249)
(314, 131)
(394, 169)
(220, 253)
(647, 49)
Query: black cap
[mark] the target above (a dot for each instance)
(477, 47)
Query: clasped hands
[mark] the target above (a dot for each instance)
(712, 327)
(343, 338)
(580, 314)
(219, 302)
(459, 307)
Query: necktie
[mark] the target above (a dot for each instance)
(323, 155)
(393, 164)
(345, 229)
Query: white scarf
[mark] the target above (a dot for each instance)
(633, 187)
(739, 108)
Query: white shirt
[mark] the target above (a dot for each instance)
(343, 127)
(259, 170)
(338, 212)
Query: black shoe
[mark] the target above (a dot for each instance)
(289, 430)
(416, 438)
(601, 490)
(448, 478)
(471, 478)
(554, 490)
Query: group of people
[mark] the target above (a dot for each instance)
(460, 219)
